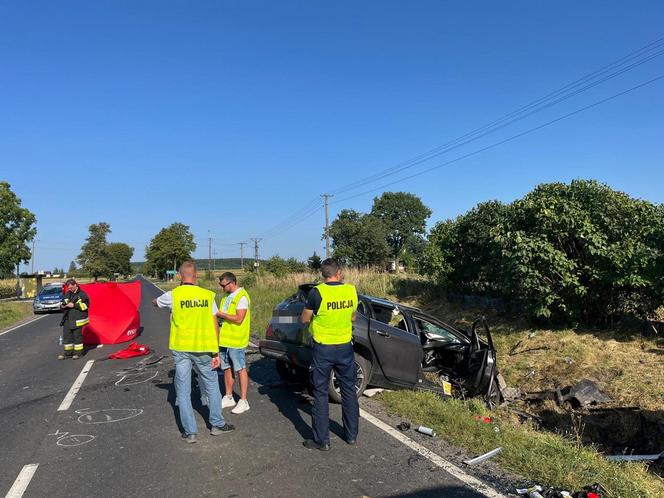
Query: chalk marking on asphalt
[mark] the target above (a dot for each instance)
(73, 390)
(450, 468)
(22, 481)
(23, 324)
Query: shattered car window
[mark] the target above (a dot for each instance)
(391, 316)
(445, 335)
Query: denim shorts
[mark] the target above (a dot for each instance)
(234, 357)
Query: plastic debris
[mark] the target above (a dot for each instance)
(426, 430)
(485, 420)
(635, 458)
(369, 393)
(482, 458)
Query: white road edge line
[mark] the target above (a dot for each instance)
(22, 481)
(73, 390)
(23, 324)
(450, 468)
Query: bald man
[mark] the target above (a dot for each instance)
(194, 342)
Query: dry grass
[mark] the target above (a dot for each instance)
(13, 311)
(542, 457)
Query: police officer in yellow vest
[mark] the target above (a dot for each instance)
(331, 310)
(233, 340)
(194, 343)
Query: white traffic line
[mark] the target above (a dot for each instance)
(22, 325)
(22, 481)
(73, 390)
(450, 468)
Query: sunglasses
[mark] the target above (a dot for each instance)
(223, 285)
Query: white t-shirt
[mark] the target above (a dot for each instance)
(242, 304)
(166, 301)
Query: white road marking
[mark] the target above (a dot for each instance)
(73, 390)
(450, 468)
(22, 481)
(23, 324)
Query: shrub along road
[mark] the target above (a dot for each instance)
(120, 437)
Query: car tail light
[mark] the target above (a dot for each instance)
(269, 332)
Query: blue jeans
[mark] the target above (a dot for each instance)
(234, 357)
(208, 381)
(342, 359)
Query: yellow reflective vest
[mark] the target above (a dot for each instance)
(192, 322)
(332, 323)
(233, 335)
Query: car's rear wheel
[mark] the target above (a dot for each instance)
(362, 367)
(290, 373)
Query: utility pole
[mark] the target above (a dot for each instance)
(242, 244)
(214, 259)
(209, 256)
(32, 265)
(327, 225)
(256, 252)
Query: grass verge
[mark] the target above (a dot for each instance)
(543, 457)
(12, 312)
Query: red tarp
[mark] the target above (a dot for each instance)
(113, 312)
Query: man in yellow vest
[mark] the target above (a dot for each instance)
(194, 343)
(331, 310)
(234, 339)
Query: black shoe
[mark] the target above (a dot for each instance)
(313, 445)
(216, 431)
(351, 441)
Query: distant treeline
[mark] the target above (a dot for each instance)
(202, 264)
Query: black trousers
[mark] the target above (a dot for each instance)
(72, 340)
(341, 359)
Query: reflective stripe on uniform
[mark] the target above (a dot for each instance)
(69, 347)
(82, 305)
(78, 347)
(83, 321)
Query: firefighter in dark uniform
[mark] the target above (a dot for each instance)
(75, 305)
(331, 308)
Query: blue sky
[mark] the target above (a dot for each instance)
(232, 116)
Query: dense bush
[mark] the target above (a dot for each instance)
(279, 266)
(578, 252)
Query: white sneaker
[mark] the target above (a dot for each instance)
(242, 406)
(227, 402)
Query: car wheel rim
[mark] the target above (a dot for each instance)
(359, 372)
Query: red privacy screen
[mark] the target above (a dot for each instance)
(113, 312)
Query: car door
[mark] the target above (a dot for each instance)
(480, 365)
(398, 350)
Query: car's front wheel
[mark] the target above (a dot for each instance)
(362, 368)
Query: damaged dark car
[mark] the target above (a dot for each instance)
(396, 347)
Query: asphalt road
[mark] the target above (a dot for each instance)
(120, 437)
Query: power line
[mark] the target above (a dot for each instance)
(538, 105)
(513, 137)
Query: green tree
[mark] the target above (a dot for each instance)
(404, 216)
(16, 230)
(578, 252)
(119, 257)
(93, 258)
(359, 239)
(314, 262)
(72, 267)
(169, 248)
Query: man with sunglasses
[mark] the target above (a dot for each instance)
(233, 340)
